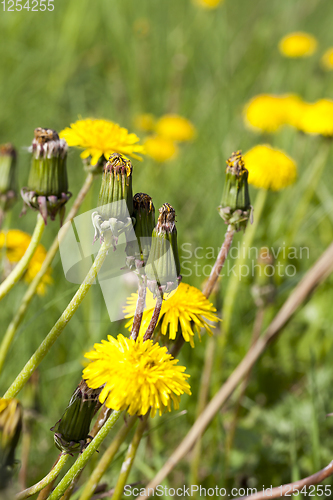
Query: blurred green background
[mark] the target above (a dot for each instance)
(113, 60)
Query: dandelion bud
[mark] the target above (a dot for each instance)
(47, 189)
(235, 206)
(163, 266)
(7, 177)
(115, 198)
(71, 432)
(10, 430)
(144, 216)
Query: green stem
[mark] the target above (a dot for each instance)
(106, 459)
(129, 459)
(30, 293)
(45, 481)
(231, 291)
(84, 457)
(66, 316)
(21, 266)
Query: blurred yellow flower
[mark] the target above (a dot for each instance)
(15, 244)
(267, 112)
(327, 59)
(269, 168)
(317, 118)
(101, 138)
(145, 121)
(298, 44)
(176, 128)
(160, 148)
(136, 376)
(209, 4)
(186, 309)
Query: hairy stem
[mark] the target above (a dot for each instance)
(31, 291)
(21, 266)
(154, 319)
(140, 307)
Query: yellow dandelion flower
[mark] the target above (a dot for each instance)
(175, 128)
(160, 148)
(209, 4)
(267, 113)
(298, 44)
(186, 309)
(15, 244)
(317, 118)
(327, 59)
(101, 138)
(269, 168)
(145, 122)
(137, 376)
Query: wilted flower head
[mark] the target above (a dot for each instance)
(270, 168)
(185, 311)
(135, 376)
(101, 138)
(298, 44)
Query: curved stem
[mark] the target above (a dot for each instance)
(45, 481)
(234, 280)
(129, 459)
(106, 459)
(84, 457)
(66, 316)
(140, 306)
(154, 318)
(30, 293)
(21, 266)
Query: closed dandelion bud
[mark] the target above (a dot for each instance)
(235, 206)
(71, 432)
(10, 430)
(47, 189)
(163, 266)
(7, 176)
(144, 217)
(115, 198)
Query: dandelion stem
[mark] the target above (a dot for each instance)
(66, 316)
(84, 457)
(129, 459)
(45, 481)
(155, 316)
(140, 306)
(215, 273)
(21, 266)
(106, 459)
(231, 291)
(30, 293)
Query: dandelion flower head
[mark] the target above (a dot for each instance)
(298, 44)
(327, 59)
(160, 148)
(318, 118)
(15, 244)
(145, 122)
(269, 168)
(136, 376)
(185, 307)
(101, 138)
(209, 4)
(176, 128)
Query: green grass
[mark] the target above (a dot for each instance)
(87, 59)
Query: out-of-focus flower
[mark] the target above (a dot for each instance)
(327, 59)
(160, 148)
(101, 138)
(298, 44)
(317, 118)
(267, 113)
(186, 310)
(136, 376)
(145, 122)
(141, 27)
(176, 128)
(10, 430)
(15, 244)
(269, 168)
(208, 4)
